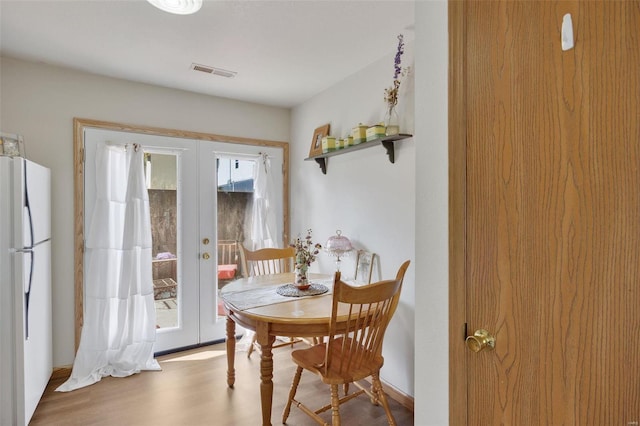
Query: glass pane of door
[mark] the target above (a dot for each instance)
(172, 182)
(223, 220)
(234, 194)
(161, 179)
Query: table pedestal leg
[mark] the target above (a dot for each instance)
(231, 352)
(266, 371)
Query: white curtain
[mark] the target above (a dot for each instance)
(119, 317)
(261, 225)
(260, 222)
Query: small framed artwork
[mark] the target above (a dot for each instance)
(316, 143)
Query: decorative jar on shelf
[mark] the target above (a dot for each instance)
(376, 131)
(328, 144)
(359, 133)
(392, 122)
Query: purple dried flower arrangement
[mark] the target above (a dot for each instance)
(391, 93)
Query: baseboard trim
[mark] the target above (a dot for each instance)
(63, 372)
(398, 396)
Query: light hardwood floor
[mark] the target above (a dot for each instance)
(191, 390)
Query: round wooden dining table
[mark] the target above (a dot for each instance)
(255, 304)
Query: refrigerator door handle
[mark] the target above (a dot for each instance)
(27, 294)
(27, 280)
(27, 213)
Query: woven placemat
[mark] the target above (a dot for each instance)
(291, 290)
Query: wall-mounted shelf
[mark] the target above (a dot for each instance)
(387, 141)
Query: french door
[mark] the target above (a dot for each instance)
(183, 190)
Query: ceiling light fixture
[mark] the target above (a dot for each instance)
(178, 7)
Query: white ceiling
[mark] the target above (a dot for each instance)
(283, 51)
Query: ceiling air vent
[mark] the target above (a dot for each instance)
(212, 70)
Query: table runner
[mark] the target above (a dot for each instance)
(248, 299)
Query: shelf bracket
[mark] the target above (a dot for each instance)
(322, 162)
(390, 150)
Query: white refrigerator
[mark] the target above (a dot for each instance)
(25, 288)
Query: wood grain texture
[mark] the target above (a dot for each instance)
(296, 316)
(191, 390)
(354, 353)
(266, 261)
(457, 211)
(552, 210)
(80, 124)
(78, 226)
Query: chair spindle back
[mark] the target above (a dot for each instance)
(369, 310)
(266, 261)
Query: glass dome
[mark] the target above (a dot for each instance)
(337, 245)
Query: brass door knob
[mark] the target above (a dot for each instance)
(205, 241)
(480, 340)
(205, 256)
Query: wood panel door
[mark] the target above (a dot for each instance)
(545, 212)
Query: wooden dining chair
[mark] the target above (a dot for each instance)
(267, 261)
(353, 352)
(228, 260)
(228, 252)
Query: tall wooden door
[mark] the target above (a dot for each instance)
(545, 237)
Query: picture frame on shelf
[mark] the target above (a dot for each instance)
(316, 142)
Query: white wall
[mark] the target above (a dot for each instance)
(399, 210)
(39, 101)
(432, 318)
(382, 207)
(371, 200)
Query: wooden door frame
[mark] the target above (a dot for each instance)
(457, 214)
(79, 125)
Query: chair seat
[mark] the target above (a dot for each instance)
(313, 358)
(226, 272)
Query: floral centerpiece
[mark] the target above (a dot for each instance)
(306, 252)
(391, 93)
